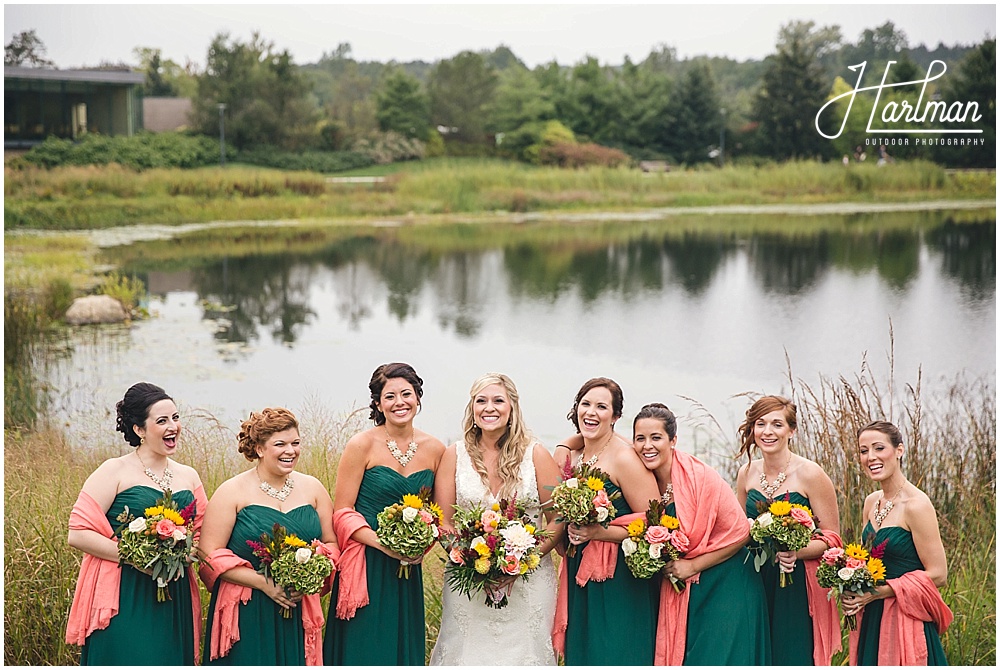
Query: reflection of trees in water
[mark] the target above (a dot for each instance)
(788, 264)
(463, 284)
(968, 253)
(265, 291)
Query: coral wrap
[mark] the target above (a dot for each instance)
(822, 609)
(353, 591)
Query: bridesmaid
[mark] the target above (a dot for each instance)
(377, 618)
(901, 623)
(697, 626)
(604, 615)
(246, 625)
(115, 605)
(805, 628)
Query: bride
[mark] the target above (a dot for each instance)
(497, 459)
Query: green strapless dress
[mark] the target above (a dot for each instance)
(727, 615)
(788, 607)
(611, 622)
(900, 557)
(165, 629)
(389, 630)
(266, 636)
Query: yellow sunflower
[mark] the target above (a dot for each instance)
(637, 528)
(669, 522)
(594, 484)
(435, 509)
(876, 568)
(856, 551)
(295, 541)
(166, 513)
(780, 508)
(410, 500)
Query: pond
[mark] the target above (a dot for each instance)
(686, 312)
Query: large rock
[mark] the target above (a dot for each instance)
(95, 309)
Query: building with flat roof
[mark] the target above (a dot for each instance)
(68, 103)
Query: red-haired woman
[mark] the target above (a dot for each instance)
(805, 628)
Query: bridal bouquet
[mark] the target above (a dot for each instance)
(161, 541)
(582, 498)
(780, 526)
(291, 562)
(409, 527)
(853, 568)
(488, 547)
(652, 542)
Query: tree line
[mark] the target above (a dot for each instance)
(682, 111)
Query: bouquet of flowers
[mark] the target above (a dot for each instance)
(291, 562)
(161, 541)
(582, 499)
(489, 545)
(409, 527)
(780, 526)
(853, 568)
(653, 541)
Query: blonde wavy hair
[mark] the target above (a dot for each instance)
(512, 445)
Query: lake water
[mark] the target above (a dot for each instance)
(673, 313)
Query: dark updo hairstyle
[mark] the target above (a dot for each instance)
(133, 409)
(764, 406)
(381, 376)
(617, 398)
(887, 429)
(660, 412)
(260, 426)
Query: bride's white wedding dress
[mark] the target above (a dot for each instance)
(518, 634)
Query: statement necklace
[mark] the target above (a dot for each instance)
(882, 512)
(668, 494)
(278, 494)
(163, 482)
(593, 459)
(769, 489)
(396, 453)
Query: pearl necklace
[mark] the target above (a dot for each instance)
(593, 459)
(882, 512)
(769, 489)
(278, 494)
(163, 482)
(403, 459)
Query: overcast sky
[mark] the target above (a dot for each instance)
(82, 35)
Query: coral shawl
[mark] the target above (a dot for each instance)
(95, 601)
(901, 634)
(822, 609)
(711, 517)
(353, 592)
(598, 563)
(226, 622)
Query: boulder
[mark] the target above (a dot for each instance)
(95, 309)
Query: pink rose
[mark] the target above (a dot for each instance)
(511, 565)
(165, 528)
(490, 520)
(855, 563)
(456, 556)
(680, 540)
(657, 535)
(832, 555)
(426, 517)
(802, 517)
(601, 499)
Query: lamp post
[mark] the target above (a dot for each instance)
(222, 135)
(722, 139)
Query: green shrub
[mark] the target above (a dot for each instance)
(140, 152)
(129, 291)
(571, 155)
(390, 147)
(314, 161)
(57, 297)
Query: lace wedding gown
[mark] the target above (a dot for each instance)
(518, 634)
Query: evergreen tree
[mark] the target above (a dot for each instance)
(695, 117)
(402, 106)
(461, 91)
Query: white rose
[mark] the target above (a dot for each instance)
(137, 525)
(629, 546)
(845, 573)
(434, 530)
(303, 554)
(410, 514)
(602, 514)
(764, 520)
(179, 534)
(655, 549)
(572, 483)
